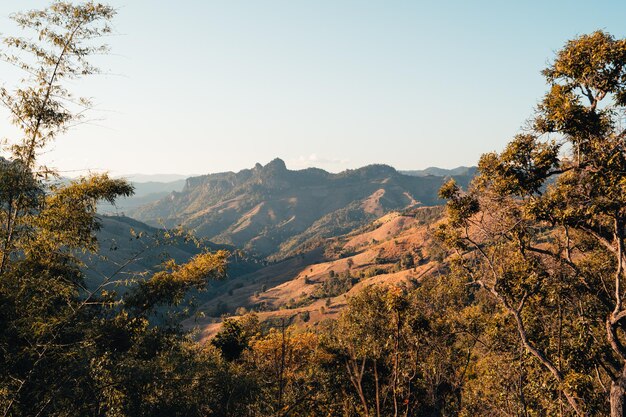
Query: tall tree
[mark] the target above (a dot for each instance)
(67, 348)
(61, 40)
(542, 227)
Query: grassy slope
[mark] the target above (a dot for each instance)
(378, 246)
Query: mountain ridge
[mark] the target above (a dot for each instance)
(276, 212)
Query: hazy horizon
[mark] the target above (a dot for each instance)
(200, 87)
(175, 176)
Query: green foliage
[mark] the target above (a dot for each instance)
(373, 271)
(527, 318)
(168, 287)
(62, 39)
(67, 215)
(235, 336)
(305, 316)
(392, 351)
(406, 260)
(335, 285)
(68, 347)
(521, 169)
(542, 230)
(302, 301)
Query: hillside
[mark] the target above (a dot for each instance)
(442, 172)
(276, 212)
(146, 192)
(129, 248)
(308, 289)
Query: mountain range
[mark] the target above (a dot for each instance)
(146, 192)
(442, 172)
(274, 212)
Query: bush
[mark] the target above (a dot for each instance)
(306, 316)
(336, 285)
(406, 260)
(303, 301)
(373, 271)
(220, 308)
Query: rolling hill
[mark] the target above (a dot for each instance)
(130, 249)
(310, 288)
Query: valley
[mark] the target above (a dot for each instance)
(306, 290)
(306, 240)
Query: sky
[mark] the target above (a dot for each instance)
(194, 87)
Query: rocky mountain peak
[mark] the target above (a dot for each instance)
(276, 165)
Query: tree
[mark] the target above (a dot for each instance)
(403, 352)
(289, 368)
(542, 227)
(70, 348)
(41, 106)
(235, 336)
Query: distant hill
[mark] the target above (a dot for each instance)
(129, 248)
(157, 178)
(145, 193)
(276, 212)
(442, 172)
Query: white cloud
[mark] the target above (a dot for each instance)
(314, 160)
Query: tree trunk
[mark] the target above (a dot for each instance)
(356, 376)
(618, 394)
(377, 388)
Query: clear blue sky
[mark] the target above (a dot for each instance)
(206, 86)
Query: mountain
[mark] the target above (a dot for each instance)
(443, 172)
(145, 193)
(156, 178)
(276, 212)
